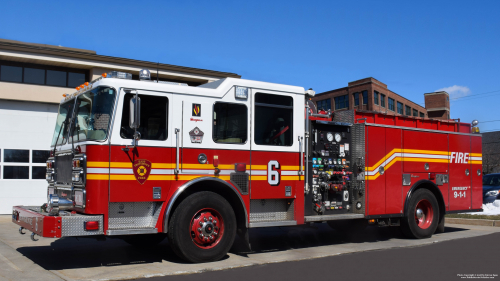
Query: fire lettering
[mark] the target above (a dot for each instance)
(459, 157)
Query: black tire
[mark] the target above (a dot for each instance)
(349, 226)
(144, 240)
(180, 234)
(409, 225)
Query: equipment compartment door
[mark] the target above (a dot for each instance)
(460, 172)
(476, 160)
(142, 173)
(376, 165)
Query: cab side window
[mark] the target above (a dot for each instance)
(230, 123)
(273, 120)
(154, 121)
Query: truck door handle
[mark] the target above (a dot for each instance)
(176, 170)
(301, 172)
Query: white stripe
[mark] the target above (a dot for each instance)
(414, 155)
(258, 172)
(122, 171)
(289, 173)
(476, 158)
(162, 172)
(97, 171)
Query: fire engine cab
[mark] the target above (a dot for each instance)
(144, 160)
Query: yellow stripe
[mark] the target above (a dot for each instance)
(480, 162)
(97, 177)
(476, 155)
(258, 178)
(410, 159)
(259, 167)
(425, 151)
(151, 177)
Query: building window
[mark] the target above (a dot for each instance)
(324, 104)
(365, 97)
(356, 99)
(16, 172)
(39, 156)
(19, 164)
(230, 123)
(341, 102)
(382, 100)
(390, 104)
(422, 114)
(407, 110)
(415, 112)
(375, 97)
(400, 108)
(42, 74)
(16, 155)
(273, 120)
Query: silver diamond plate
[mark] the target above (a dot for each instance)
(128, 215)
(73, 225)
(271, 210)
(358, 157)
(345, 116)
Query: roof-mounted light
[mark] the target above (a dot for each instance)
(241, 92)
(119, 75)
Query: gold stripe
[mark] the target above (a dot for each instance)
(480, 162)
(258, 178)
(425, 151)
(97, 177)
(410, 159)
(476, 155)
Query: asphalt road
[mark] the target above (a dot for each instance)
(449, 260)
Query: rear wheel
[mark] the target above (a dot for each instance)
(202, 228)
(423, 215)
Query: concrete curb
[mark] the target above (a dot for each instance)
(473, 222)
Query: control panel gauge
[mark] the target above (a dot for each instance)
(329, 137)
(337, 137)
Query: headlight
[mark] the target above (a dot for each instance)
(492, 193)
(76, 177)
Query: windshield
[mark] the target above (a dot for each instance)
(491, 180)
(93, 114)
(62, 122)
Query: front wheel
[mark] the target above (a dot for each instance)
(423, 215)
(202, 228)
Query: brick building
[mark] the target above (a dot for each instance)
(373, 95)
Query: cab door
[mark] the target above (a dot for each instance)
(142, 173)
(277, 189)
(213, 140)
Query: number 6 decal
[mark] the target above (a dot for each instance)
(273, 176)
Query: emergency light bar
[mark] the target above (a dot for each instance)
(119, 75)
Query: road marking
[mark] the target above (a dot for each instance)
(7, 261)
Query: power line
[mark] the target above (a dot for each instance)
(494, 130)
(489, 121)
(475, 95)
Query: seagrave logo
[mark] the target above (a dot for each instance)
(142, 168)
(196, 109)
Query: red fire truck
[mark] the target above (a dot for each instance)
(144, 160)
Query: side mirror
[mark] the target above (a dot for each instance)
(135, 112)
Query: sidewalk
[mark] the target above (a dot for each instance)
(113, 259)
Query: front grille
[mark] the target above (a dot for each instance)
(64, 168)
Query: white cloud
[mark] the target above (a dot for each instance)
(456, 91)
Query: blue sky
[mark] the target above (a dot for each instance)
(415, 47)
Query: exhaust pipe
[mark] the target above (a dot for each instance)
(56, 204)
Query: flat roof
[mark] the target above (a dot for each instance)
(92, 55)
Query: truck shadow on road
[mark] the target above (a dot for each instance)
(72, 253)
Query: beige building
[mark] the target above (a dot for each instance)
(33, 79)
